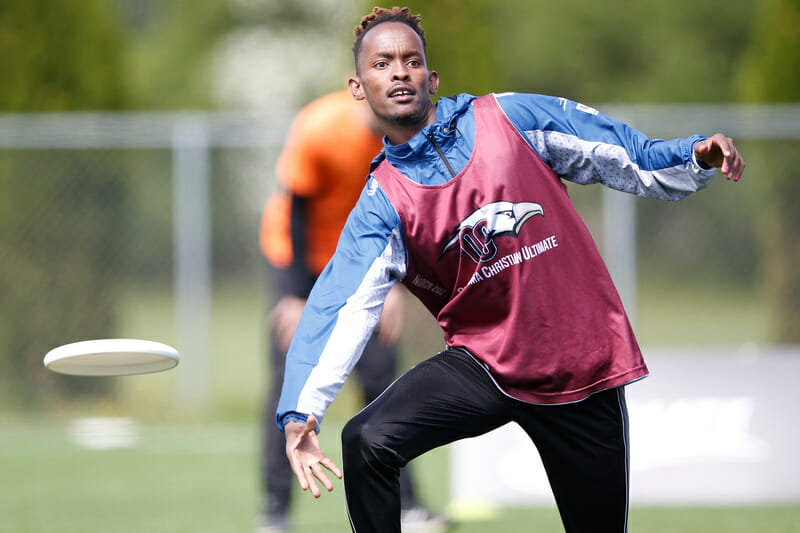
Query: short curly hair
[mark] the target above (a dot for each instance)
(380, 15)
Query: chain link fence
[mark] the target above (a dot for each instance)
(145, 225)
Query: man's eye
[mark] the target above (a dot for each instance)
(381, 64)
(414, 63)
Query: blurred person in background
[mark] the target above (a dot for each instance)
(466, 205)
(322, 171)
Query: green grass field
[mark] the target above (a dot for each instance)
(195, 469)
(197, 478)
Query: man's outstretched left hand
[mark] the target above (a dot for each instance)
(718, 151)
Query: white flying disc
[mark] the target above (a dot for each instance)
(111, 357)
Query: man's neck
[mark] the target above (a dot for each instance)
(402, 133)
(398, 135)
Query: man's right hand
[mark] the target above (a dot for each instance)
(305, 456)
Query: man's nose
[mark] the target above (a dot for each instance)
(399, 71)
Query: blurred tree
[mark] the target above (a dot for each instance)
(59, 55)
(594, 51)
(59, 213)
(462, 44)
(169, 46)
(605, 51)
(177, 50)
(771, 73)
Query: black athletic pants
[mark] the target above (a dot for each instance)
(583, 445)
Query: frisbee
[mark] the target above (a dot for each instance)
(111, 357)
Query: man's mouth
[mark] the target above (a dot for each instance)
(401, 92)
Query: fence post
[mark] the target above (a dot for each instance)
(192, 256)
(619, 245)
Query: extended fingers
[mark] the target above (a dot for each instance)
(720, 151)
(305, 474)
(312, 471)
(316, 469)
(299, 471)
(330, 465)
(306, 457)
(732, 162)
(735, 166)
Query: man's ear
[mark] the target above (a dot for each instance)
(355, 88)
(433, 81)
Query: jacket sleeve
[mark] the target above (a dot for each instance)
(584, 146)
(343, 308)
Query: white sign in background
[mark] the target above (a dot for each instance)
(707, 427)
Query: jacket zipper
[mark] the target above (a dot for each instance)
(441, 155)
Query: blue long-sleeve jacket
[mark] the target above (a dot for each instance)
(578, 143)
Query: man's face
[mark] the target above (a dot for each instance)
(393, 77)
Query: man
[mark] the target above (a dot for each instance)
(322, 170)
(467, 207)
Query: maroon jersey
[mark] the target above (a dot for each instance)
(500, 256)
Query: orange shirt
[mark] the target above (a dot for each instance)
(325, 161)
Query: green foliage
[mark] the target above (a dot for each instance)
(59, 56)
(606, 51)
(169, 51)
(771, 73)
(462, 45)
(602, 51)
(171, 45)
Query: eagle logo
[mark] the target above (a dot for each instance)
(475, 234)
